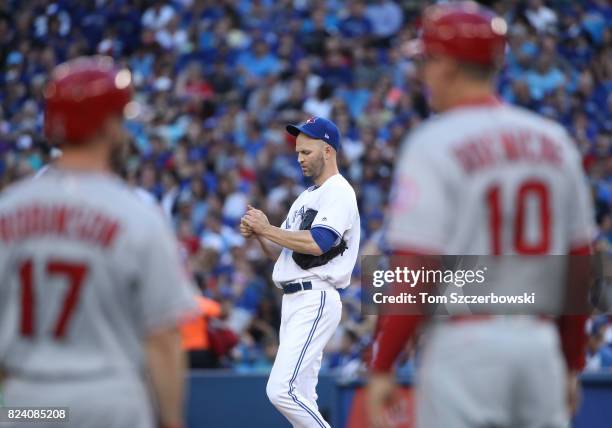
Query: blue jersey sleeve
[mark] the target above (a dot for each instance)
(324, 237)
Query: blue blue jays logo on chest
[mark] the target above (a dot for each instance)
(296, 214)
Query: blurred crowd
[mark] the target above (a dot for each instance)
(218, 80)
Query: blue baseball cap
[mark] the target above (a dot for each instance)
(318, 128)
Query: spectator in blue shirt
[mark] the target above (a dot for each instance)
(599, 353)
(258, 62)
(545, 78)
(386, 18)
(356, 24)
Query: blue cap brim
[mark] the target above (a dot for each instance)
(295, 131)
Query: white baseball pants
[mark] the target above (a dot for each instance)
(308, 321)
(502, 373)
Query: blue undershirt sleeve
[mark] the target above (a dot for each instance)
(324, 237)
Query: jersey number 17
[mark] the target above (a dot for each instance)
(75, 275)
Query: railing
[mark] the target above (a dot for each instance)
(225, 399)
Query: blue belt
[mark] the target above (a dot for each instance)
(294, 287)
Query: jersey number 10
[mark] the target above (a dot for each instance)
(75, 274)
(537, 192)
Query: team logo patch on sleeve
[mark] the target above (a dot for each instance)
(405, 194)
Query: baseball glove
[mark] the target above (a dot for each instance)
(307, 261)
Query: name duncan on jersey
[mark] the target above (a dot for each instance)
(487, 151)
(71, 222)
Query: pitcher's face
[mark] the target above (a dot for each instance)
(311, 155)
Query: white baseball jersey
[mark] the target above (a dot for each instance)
(309, 318)
(87, 271)
(336, 207)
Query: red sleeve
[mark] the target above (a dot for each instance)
(573, 340)
(572, 329)
(394, 331)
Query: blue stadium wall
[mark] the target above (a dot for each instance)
(219, 399)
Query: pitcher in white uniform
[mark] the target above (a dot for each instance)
(91, 284)
(320, 240)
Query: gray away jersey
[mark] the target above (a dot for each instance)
(336, 204)
(87, 272)
(494, 180)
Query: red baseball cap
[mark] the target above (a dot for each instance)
(465, 31)
(81, 94)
